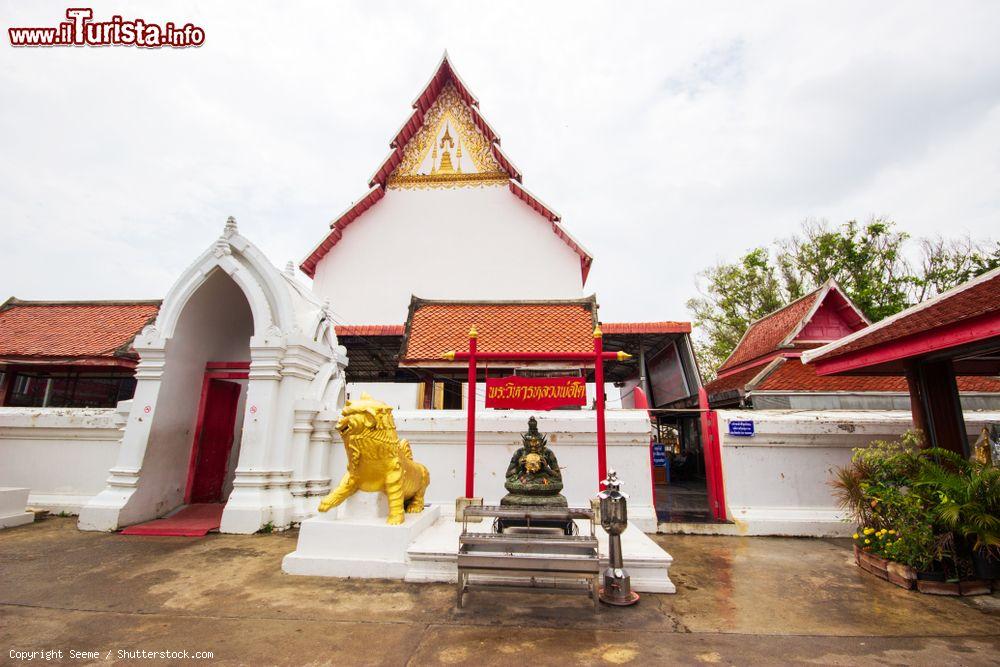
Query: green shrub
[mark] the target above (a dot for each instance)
(921, 507)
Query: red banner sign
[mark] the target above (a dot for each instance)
(535, 393)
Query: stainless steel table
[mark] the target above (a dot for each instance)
(529, 552)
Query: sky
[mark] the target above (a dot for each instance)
(669, 136)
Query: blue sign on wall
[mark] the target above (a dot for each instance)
(741, 427)
(659, 454)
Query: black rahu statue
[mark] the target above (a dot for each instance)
(533, 476)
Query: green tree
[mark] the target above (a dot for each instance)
(733, 296)
(868, 262)
(947, 263)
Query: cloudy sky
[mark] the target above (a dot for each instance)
(669, 136)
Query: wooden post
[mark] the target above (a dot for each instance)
(470, 432)
(602, 453)
(917, 407)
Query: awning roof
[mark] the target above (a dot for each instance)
(412, 352)
(788, 375)
(962, 324)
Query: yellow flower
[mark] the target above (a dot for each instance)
(868, 541)
(855, 536)
(892, 532)
(869, 531)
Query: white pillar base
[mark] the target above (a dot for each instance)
(13, 502)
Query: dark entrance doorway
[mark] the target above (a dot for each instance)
(213, 441)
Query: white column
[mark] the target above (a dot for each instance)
(319, 458)
(115, 506)
(301, 430)
(250, 504)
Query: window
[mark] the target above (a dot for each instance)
(84, 389)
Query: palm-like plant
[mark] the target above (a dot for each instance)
(968, 497)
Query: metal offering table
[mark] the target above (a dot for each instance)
(529, 551)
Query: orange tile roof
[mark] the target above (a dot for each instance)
(67, 331)
(369, 329)
(435, 327)
(645, 327)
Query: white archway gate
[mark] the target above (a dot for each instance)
(294, 389)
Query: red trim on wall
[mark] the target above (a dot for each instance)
(759, 361)
(220, 365)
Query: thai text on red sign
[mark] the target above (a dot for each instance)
(535, 393)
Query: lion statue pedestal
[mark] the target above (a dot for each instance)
(369, 520)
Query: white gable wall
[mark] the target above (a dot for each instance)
(462, 243)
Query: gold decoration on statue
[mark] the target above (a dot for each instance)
(377, 460)
(428, 161)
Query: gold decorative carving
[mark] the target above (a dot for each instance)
(377, 460)
(423, 166)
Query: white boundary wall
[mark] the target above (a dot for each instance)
(438, 441)
(777, 482)
(61, 454)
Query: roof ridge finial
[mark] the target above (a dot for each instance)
(230, 227)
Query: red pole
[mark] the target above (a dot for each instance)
(712, 451)
(602, 454)
(470, 433)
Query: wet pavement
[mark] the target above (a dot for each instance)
(740, 600)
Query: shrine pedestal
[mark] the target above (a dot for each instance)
(354, 540)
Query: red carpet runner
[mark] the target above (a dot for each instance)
(194, 520)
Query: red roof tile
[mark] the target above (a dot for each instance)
(973, 299)
(766, 334)
(435, 327)
(734, 382)
(93, 332)
(793, 375)
(369, 329)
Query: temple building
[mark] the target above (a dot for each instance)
(220, 401)
(765, 371)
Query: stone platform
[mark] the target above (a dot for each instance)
(13, 502)
(354, 541)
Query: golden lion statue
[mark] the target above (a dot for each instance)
(377, 460)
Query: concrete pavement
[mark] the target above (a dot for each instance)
(739, 601)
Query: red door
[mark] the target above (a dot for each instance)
(214, 441)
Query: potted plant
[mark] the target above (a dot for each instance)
(927, 518)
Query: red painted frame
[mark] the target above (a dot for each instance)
(214, 370)
(925, 342)
(597, 357)
(712, 450)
